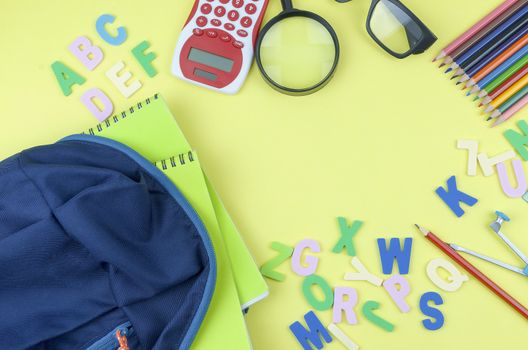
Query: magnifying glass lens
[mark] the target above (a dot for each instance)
(297, 52)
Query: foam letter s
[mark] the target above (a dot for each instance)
(431, 311)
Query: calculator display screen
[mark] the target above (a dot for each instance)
(210, 59)
(204, 74)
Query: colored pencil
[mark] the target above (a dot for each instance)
(497, 42)
(495, 78)
(507, 94)
(471, 269)
(483, 32)
(494, 59)
(475, 29)
(509, 22)
(519, 95)
(504, 86)
(498, 48)
(499, 67)
(512, 111)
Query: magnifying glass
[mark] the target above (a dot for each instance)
(297, 51)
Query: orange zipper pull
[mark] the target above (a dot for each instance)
(123, 342)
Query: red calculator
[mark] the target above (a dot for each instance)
(215, 47)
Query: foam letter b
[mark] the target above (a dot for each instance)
(89, 55)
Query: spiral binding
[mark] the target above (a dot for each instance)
(117, 117)
(174, 160)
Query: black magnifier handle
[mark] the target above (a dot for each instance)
(287, 5)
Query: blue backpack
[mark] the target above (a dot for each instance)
(98, 250)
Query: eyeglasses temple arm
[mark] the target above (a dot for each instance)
(287, 4)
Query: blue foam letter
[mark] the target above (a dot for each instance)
(431, 311)
(403, 257)
(103, 33)
(452, 197)
(312, 334)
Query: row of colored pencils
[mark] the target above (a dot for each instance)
(491, 60)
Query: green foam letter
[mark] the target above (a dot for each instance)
(368, 309)
(347, 233)
(268, 269)
(66, 77)
(145, 59)
(519, 141)
(328, 300)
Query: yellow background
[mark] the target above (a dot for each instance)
(372, 145)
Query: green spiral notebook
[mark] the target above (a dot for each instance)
(224, 320)
(150, 129)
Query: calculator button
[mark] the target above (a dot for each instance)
(211, 33)
(238, 44)
(206, 9)
(224, 1)
(216, 22)
(246, 21)
(198, 31)
(238, 3)
(225, 37)
(242, 33)
(220, 11)
(229, 26)
(213, 0)
(201, 21)
(232, 15)
(251, 9)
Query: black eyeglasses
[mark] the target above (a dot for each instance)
(396, 29)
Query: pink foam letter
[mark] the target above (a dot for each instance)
(398, 288)
(518, 169)
(310, 261)
(89, 54)
(96, 94)
(340, 304)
